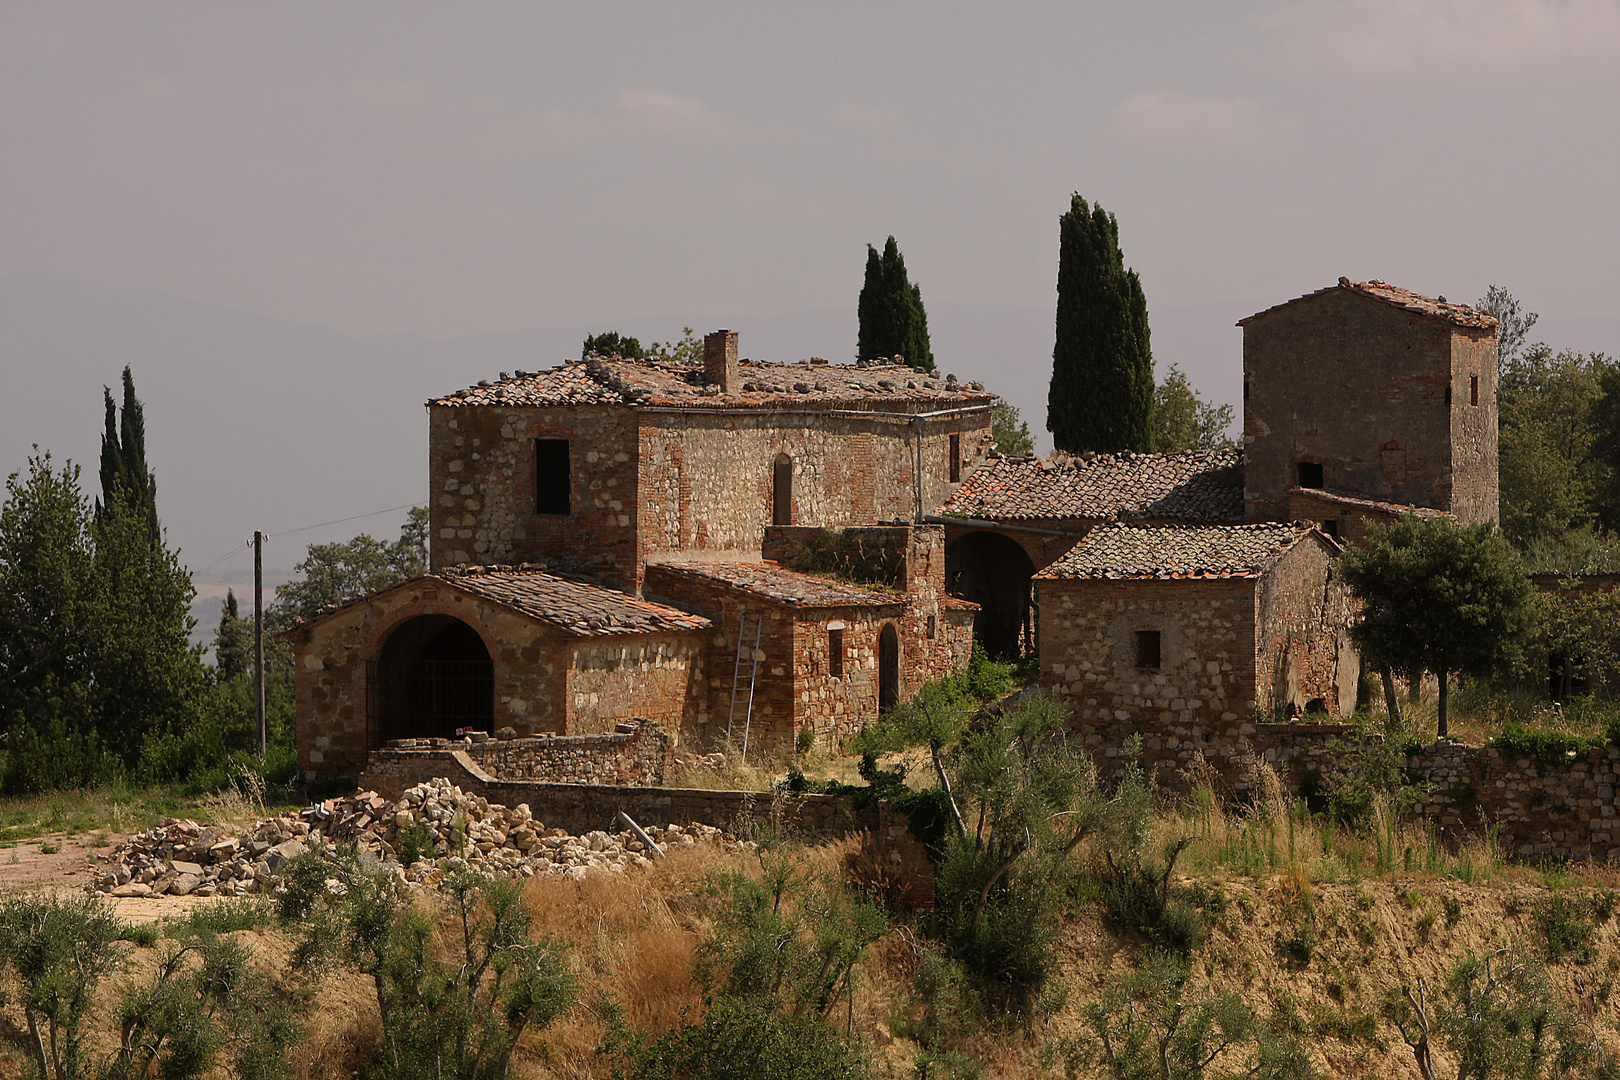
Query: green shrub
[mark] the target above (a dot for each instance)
(737, 1040)
(1544, 748)
(1564, 924)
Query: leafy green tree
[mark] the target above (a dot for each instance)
(334, 573)
(55, 952)
(1551, 416)
(124, 473)
(688, 350)
(1010, 431)
(1605, 449)
(1512, 323)
(1101, 396)
(1183, 420)
(892, 319)
(612, 344)
(1441, 597)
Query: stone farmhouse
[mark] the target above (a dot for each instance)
(765, 552)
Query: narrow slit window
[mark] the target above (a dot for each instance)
(956, 459)
(552, 489)
(782, 491)
(835, 653)
(1473, 389)
(1310, 474)
(1448, 394)
(1148, 653)
(931, 628)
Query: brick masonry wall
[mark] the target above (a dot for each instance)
(1305, 652)
(1357, 385)
(482, 473)
(652, 677)
(1207, 632)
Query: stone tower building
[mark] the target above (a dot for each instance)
(1363, 394)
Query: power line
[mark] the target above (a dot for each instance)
(301, 529)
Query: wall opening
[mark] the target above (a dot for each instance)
(434, 675)
(552, 490)
(1148, 649)
(1310, 474)
(888, 668)
(782, 490)
(956, 459)
(835, 653)
(1473, 389)
(993, 571)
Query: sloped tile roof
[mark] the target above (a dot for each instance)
(1198, 485)
(1177, 551)
(1395, 296)
(766, 386)
(572, 605)
(1360, 502)
(776, 584)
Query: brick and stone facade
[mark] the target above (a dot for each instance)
(1371, 390)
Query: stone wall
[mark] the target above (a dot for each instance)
(637, 755)
(481, 469)
(1304, 652)
(1361, 387)
(650, 677)
(1207, 674)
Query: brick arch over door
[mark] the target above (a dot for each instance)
(429, 674)
(993, 571)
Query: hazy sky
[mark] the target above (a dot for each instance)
(450, 170)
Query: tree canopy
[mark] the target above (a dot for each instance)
(612, 343)
(1101, 395)
(892, 319)
(1010, 431)
(1183, 420)
(333, 573)
(1441, 597)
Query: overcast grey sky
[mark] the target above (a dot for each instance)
(456, 171)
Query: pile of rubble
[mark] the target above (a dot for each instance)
(433, 828)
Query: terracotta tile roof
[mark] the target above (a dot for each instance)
(1395, 296)
(570, 604)
(1177, 551)
(1358, 502)
(776, 584)
(956, 603)
(667, 384)
(1198, 485)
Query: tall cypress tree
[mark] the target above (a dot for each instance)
(893, 321)
(1101, 397)
(125, 477)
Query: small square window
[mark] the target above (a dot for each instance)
(1148, 653)
(835, 653)
(1331, 527)
(1310, 474)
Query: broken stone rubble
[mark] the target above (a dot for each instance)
(447, 829)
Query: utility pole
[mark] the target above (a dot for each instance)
(258, 634)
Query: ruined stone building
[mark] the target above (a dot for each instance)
(747, 551)
(616, 540)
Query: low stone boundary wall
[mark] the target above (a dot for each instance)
(894, 861)
(641, 756)
(1179, 755)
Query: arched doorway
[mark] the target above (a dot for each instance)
(782, 490)
(993, 571)
(888, 668)
(433, 675)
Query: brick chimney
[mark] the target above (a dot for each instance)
(720, 361)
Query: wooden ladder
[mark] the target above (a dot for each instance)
(736, 679)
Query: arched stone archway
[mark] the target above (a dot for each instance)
(432, 675)
(888, 668)
(993, 571)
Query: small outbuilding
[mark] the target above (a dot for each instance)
(1205, 626)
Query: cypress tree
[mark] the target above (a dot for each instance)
(124, 476)
(892, 318)
(1101, 396)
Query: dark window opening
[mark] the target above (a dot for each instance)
(931, 628)
(782, 491)
(1147, 649)
(551, 483)
(888, 668)
(1448, 393)
(1331, 527)
(1245, 390)
(1473, 389)
(1310, 474)
(835, 653)
(956, 459)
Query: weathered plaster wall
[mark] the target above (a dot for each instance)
(1305, 652)
(482, 469)
(1357, 385)
(1474, 491)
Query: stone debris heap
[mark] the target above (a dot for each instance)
(434, 827)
